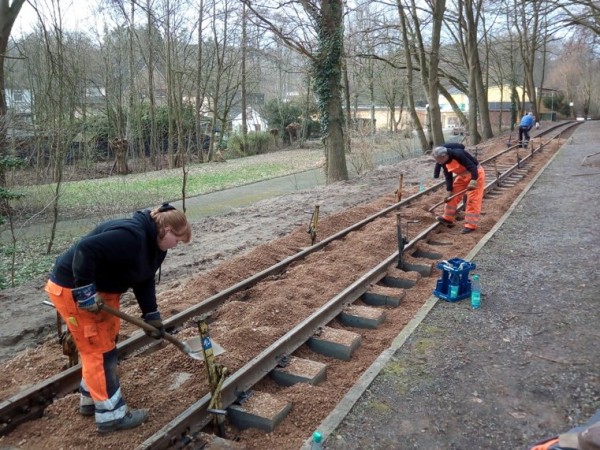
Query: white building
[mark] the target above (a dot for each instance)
(254, 122)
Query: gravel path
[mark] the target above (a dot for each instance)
(525, 366)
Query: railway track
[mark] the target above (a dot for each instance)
(504, 170)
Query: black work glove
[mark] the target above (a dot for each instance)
(154, 319)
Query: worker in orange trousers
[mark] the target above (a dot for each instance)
(117, 255)
(462, 172)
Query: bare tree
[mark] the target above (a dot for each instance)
(529, 16)
(202, 69)
(577, 75)
(581, 13)
(500, 70)
(244, 93)
(225, 79)
(326, 60)
(60, 100)
(464, 25)
(364, 43)
(473, 17)
(393, 91)
(8, 15)
(408, 47)
(428, 58)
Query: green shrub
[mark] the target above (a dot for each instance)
(257, 143)
(235, 145)
(279, 114)
(314, 128)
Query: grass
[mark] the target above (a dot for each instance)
(31, 260)
(100, 198)
(96, 200)
(120, 194)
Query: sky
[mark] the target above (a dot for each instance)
(77, 15)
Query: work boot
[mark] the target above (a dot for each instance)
(443, 221)
(132, 419)
(87, 410)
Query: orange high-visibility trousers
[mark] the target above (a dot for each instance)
(95, 335)
(545, 445)
(474, 198)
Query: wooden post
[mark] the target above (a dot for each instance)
(399, 190)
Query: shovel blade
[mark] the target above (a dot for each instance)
(217, 349)
(195, 348)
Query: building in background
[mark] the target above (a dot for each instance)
(254, 121)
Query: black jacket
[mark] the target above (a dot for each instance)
(115, 256)
(457, 151)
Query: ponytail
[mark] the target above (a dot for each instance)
(167, 216)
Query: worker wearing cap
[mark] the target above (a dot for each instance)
(462, 172)
(117, 255)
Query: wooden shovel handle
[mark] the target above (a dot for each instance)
(142, 324)
(448, 198)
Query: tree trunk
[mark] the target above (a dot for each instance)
(328, 73)
(8, 15)
(474, 135)
(528, 28)
(199, 85)
(119, 147)
(347, 101)
(472, 12)
(130, 100)
(429, 68)
(244, 104)
(307, 115)
(433, 76)
(170, 89)
(155, 152)
(334, 143)
(416, 123)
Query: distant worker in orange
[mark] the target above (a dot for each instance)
(462, 172)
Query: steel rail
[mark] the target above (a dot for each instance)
(180, 431)
(196, 417)
(530, 155)
(31, 403)
(539, 135)
(436, 186)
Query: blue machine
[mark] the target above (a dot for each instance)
(454, 284)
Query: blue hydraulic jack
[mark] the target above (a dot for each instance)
(454, 284)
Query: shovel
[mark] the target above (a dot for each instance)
(446, 199)
(509, 143)
(192, 347)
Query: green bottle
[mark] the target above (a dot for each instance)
(475, 292)
(454, 286)
(317, 441)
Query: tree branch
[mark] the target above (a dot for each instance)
(278, 31)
